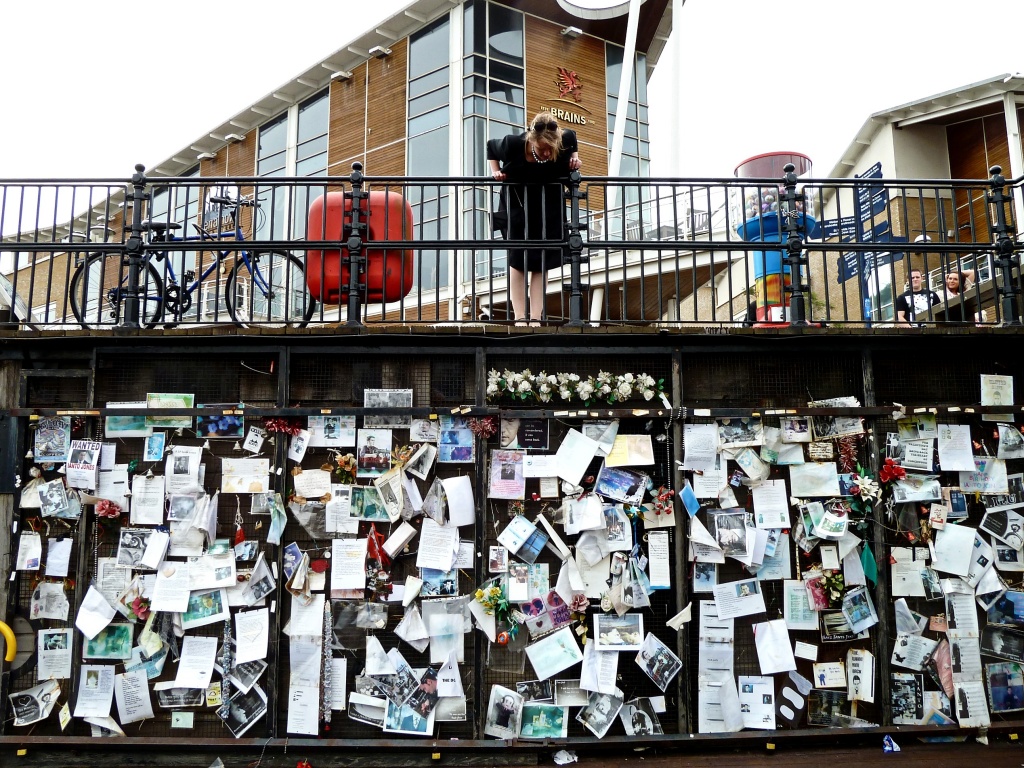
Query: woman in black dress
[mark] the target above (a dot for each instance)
(532, 205)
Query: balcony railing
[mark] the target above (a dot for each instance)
(663, 252)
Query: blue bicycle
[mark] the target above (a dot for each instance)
(266, 288)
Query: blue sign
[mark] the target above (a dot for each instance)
(862, 262)
(845, 228)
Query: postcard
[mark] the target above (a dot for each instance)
(206, 607)
(457, 444)
(554, 653)
(125, 426)
(757, 701)
(639, 718)
(996, 390)
(630, 450)
(740, 432)
(531, 434)
(1005, 682)
(162, 401)
(618, 484)
(814, 479)
(543, 721)
(796, 429)
(387, 398)
(618, 633)
(114, 641)
(989, 476)
(1011, 442)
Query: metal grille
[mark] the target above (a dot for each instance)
(898, 378)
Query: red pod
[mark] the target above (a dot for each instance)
(389, 273)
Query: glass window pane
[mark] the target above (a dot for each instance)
(505, 92)
(641, 77)
(273, 137)
(312, 166)
(475, 28)
(474, 84)
(474, 65)
(507, 73)
(429, 101)
(506, 112)
(312, 147)
(474, 148)
(506, 38)
(271, 166)
(313, 118)
(474, 105)
(428, 154)
(428, 49)
(612, 67)
(429, 82)
(630, 146)
(428, 122)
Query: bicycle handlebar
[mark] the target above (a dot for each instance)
(242, 202)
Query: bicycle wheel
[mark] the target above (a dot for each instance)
(269, 289)
(99, 290)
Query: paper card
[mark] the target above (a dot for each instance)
(989, 476)
(757, 701)
(739, 598)
(860, 677)
(458, 491)
(953, 549)
(917, 454)
(700, 447)
(802, 650)
(771, 504)
(956, 453)
(830, 674)
(574, 456)
(631, 451)
(996, 390)
(797, 610)
(814, 479)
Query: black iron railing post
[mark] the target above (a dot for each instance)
(1007, 259)
(576, 285)
(795, 256)
(356, 259)
(135, 249)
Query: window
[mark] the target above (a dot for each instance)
(180, 205)
(427, 128)
(636, 151)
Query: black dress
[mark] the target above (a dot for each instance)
(532, 202)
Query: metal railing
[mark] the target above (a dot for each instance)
(664, 252)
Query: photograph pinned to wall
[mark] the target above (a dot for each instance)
(729, 527)
(740, 432)
(796, 429)
(554, 653)
(621, 484)
(536, 690)
(907, 695)
(835, 628)
(639, 718)
(220, 426)
(407, 720)
(544, 721)
(374, 453)
(125, 426)
(996, 390)
(1008, 610)
(331, 431)
(34, 704)
(245, 709)
(181, 506)
(1011, 442)
(158, 401)
(1006, 525)
(831, 427)
(131, 546)
(504, 712)
(366, 708)
(422, 461)
(1012, 499)
(601, 711)
(1003, 643)
(497, 560)
(154, 447)
(825, 708)
(205, 607)
(53, 498)
(367, 504)
(618, 529)
(387, 398)
(457, 444)
(658, 661)
(506, 477)
(423, 431)
(52, 439)
(955, 502)
(114, 641)
(569, 694)
(705, 577)
(920, 426)
(1005, 683)
(438, 583)
(618, 633)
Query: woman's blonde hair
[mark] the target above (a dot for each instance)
(549, 137)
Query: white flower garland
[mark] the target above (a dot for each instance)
(544, 386)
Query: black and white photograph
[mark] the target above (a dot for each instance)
(53, 498)
(400, 686)
(1003, 643)
(367, 708)
(658, 661)
(620, 484)
(181, 507)
(618, 633)
(907, 693)
(387, 398)
(131, 546)
(740, 432)
(1005, 524)
(504, 709)
(424, 699)
(244, 676)
(639, 718)
(244, 710)
(730, 531)
(535, 690)
(531, 434)
(705, 577)
(422, 461)
(1011, 442)
(423, 431)
(406, 719)
(1012, 499)
(439, 583)
(834, 627)
(601, 711)
(825, 707)
(374, 452)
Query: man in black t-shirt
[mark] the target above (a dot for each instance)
(914, 304)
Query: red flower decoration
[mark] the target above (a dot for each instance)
(140, 608)
(483, 427)
(107, 508)
(891, 471)
(282, 425)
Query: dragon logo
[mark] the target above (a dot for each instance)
(569, 84)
